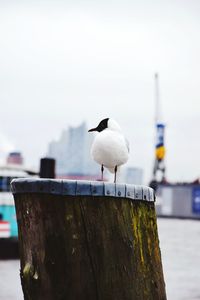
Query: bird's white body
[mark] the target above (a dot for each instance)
(110, 148)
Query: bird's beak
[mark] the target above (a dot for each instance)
(93, 129)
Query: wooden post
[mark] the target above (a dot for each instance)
(47, 167)
(82, 240)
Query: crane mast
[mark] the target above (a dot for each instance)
(159, 160)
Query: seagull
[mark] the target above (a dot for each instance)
(110, 148)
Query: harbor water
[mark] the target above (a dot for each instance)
(179, 243)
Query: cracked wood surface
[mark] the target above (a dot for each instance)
(84, 247)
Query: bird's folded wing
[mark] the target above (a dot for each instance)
(127, 144)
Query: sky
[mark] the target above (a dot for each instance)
(65, 62)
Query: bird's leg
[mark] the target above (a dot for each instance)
(102, 169)
(115, 174)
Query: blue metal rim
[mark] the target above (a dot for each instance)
(82, 188)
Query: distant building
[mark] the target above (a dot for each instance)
(72, 153)
(133, 175)
(178, 200)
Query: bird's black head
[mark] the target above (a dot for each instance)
(102, 125)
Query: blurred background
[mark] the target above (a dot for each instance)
(64, 66)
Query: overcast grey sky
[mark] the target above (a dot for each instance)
(63, 62)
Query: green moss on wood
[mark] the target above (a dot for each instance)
(28, 271)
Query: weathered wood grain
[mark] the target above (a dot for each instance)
(88, 248)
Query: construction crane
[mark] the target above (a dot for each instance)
(159, 160)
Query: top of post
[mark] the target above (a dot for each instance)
(82, 188)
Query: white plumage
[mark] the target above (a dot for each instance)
(110, 148)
